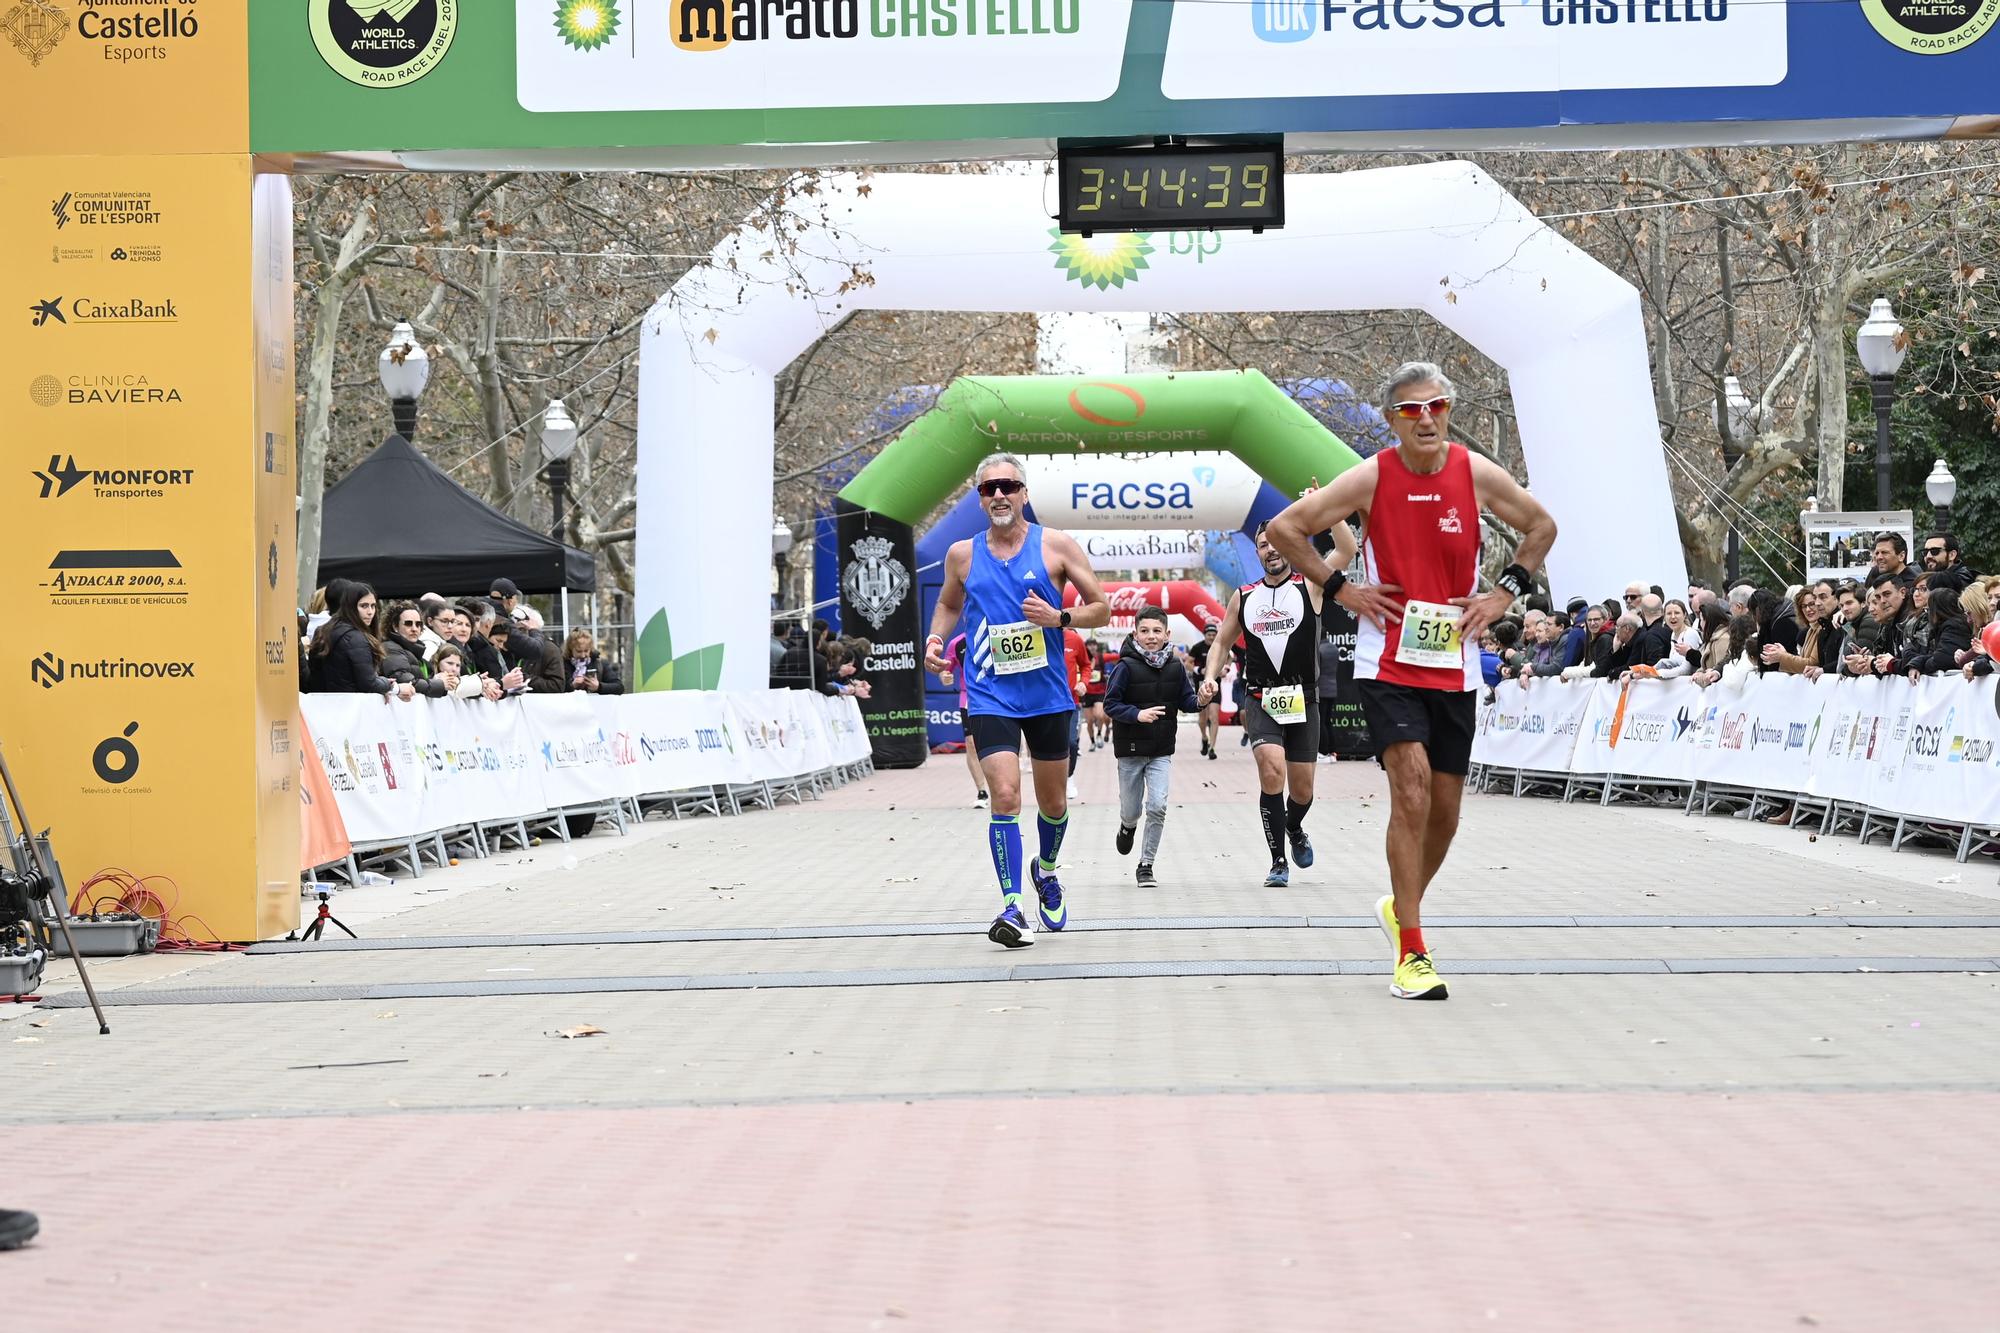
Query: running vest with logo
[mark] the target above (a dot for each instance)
(1017, 667)
(1280, 634)
(1423, 537)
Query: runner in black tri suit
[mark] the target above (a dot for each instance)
(1279, 619)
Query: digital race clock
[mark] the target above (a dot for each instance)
(1171, 187)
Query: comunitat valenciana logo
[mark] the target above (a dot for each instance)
(1932, 27)
(711, 25)
(383, 43)
(120, 31)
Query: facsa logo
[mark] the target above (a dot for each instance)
(1295, 20)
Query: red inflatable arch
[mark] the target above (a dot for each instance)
(1181, 597)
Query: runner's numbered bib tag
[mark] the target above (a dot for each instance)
(1285, 704)
(1430, 636)
(1018, 647)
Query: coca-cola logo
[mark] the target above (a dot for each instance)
(1129, 600)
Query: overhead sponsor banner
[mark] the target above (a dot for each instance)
(1118, 491)
(1144, 548)
(1418, 48)
(553, 74)
(706, 55)
(1839, 546)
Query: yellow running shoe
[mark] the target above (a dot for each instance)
(1416, 979)
(1385, 916)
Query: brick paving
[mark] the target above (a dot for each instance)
(1700, 1152)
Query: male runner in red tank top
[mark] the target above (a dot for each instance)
(1416, 655)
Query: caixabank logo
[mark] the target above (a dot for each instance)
(118, 31)
(102, 311)
(383, 43)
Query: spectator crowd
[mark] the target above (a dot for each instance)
(1900, 620)
(495, 647)
(822, 660)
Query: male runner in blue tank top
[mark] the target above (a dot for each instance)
(1008, 584)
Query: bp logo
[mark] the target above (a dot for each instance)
(1108, 259)
(1931, 27)
(587, 24)
(383, 43)
(876, 582)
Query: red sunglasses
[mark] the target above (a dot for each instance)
(1000, 486)
(1436, 407)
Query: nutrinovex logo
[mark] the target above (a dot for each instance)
(383, 43)
(49, 671)
(710, 25)
(1932, 27)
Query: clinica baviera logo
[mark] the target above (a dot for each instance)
(109, 392)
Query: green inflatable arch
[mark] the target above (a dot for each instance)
(1235, 410)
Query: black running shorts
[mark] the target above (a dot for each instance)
(1301, 739)
(1442, 721)
(1047, 733)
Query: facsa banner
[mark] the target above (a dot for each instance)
(1929, 750)
(399, 770)
(1119, 491)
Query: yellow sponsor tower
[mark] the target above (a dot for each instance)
(149, 691)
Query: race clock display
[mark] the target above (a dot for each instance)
(1173, 187)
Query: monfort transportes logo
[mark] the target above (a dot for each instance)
(383, 43)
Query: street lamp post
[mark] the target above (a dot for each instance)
(1881, 346)
(1942, 488)
(1742, 415)
(405, 368)
(781, 547)
(558, 442)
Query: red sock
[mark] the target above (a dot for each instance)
(1412, 939)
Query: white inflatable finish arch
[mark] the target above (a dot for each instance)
(1443, 238)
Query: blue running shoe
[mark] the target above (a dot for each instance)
(1302, 847)
(1011, 929)
(1280, 876)
(1048, 896)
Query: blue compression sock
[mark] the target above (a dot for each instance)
(1003, 837)
(1052, 831)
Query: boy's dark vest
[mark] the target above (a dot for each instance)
(1145, 687)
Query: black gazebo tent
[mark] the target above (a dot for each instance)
(399, 524)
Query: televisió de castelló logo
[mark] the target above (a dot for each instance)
(383, 43)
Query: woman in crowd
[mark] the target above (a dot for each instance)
(1739, 654)
(584, 670)
(346, 657)
(1977, 601)
(1714, 636)
(455, 680)
(1093, 694)
(1777, 624)
(1819, 648)
(401, 629)
(1685, 659)
(1948, 632)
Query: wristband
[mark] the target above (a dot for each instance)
(1336, 583)
(1515, 580)
(937, 639)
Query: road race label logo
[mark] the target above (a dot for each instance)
(1932, 27)
(49, 670)
(117, 483)
(117, 392)
(102, 310)
(116, 578)
(383, 43)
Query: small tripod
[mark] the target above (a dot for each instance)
(41, 881)
(318, 927)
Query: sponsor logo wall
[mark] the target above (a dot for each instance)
(138, 532)
(409, 769)
(1930, 750)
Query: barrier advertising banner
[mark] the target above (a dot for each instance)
(1930, 750)
(398, 770)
